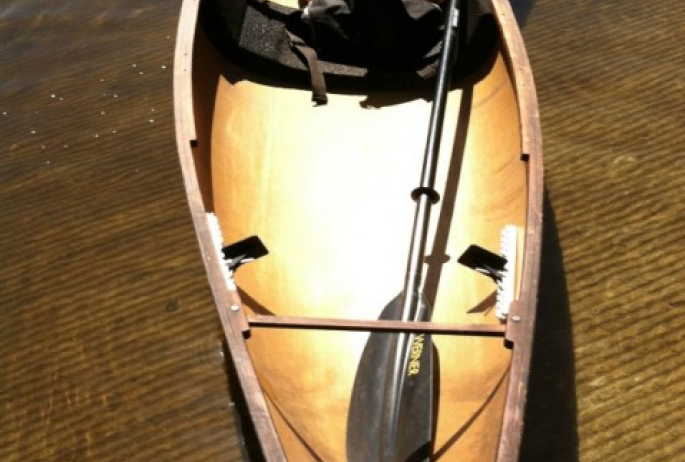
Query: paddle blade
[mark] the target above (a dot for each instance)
(386, 425)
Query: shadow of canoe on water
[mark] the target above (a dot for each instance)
(551, 433)
(522, 9)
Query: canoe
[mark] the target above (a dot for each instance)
(304, 218)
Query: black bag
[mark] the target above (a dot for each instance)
(348, 44)
(387, 33)
(380, 34)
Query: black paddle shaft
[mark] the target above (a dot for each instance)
(390, 418)
(425, 196)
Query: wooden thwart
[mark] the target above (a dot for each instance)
(480, 330)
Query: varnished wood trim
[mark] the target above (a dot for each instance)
(484, 330)
(224, 298)
(531, 151)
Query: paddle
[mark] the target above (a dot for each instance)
(391, 409)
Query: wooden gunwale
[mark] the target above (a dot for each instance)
(525, 307)
(234, 324)
(186, 139)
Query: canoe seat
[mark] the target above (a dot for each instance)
(257, 35)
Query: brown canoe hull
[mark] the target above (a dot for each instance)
(332, 206)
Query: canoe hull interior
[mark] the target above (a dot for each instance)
(327, 189)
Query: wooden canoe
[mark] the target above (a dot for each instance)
(327, 190)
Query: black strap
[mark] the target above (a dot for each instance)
(319, 95)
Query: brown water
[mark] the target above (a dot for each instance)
(109, 345)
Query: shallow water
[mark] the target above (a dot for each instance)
(109, 345)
